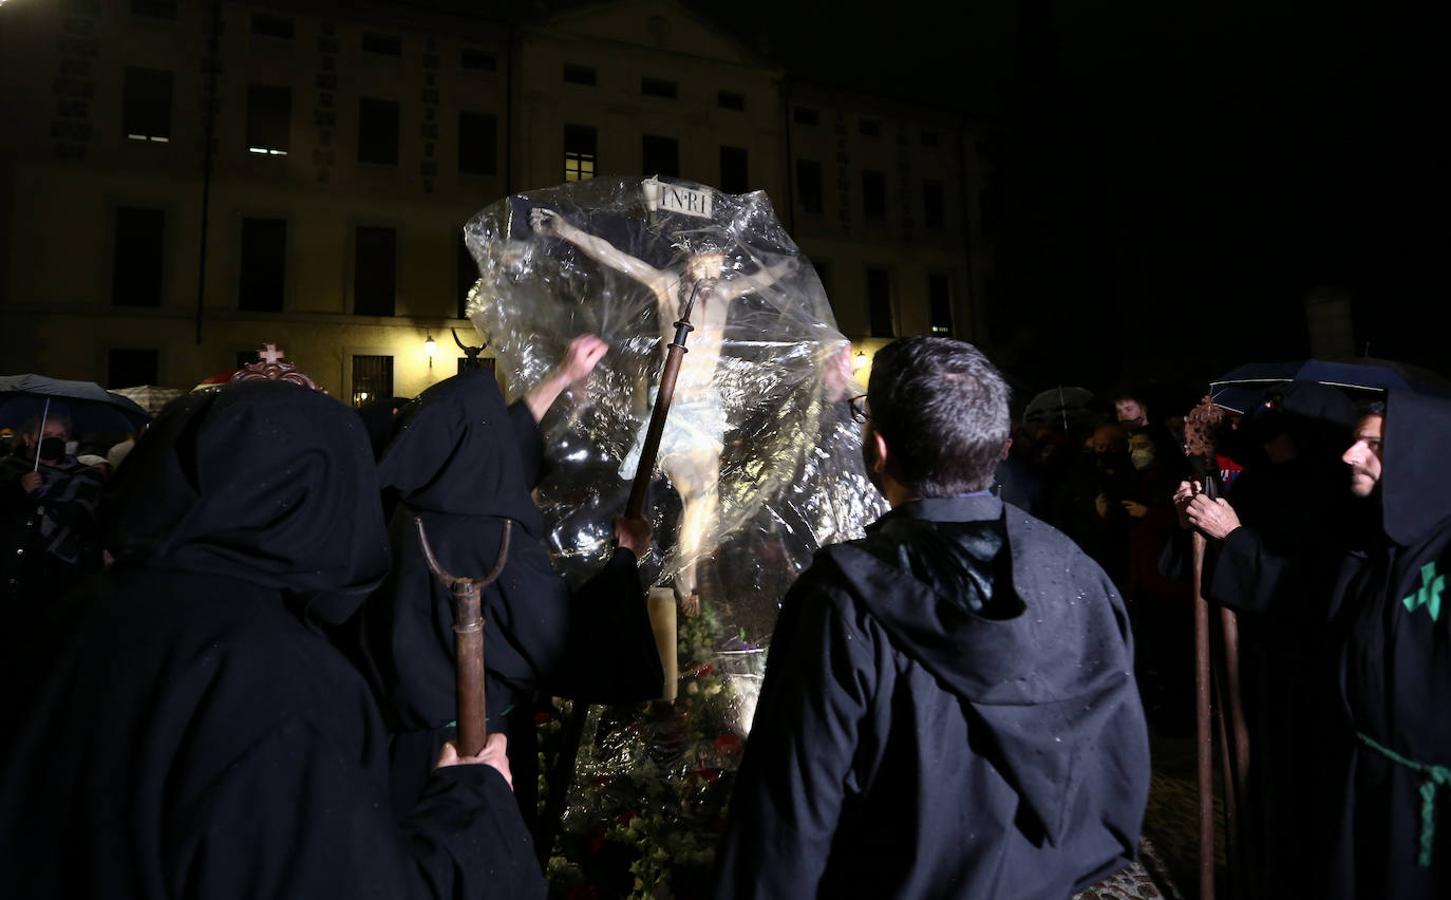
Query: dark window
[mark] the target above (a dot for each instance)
(823, 272)
(931, 139)
(734, 170)
(579, 75)
(478, 60)
(271, 26)
(269, 117)
(728, 100)
(805, 115)
(264, 265)
(386, 44)
(874, 195)
(660, 155)
(808, 185)
(375, 271)
(146, 105)
(870, 127)
(468, 274)
(136, 272)
(579, 153)
(932, 206)
(939, 293)
(372, 378)
(156, 9)
(246, 357)
(378, 132)
(658, 87)
(132, 368)
(478, 139)
(879, 302)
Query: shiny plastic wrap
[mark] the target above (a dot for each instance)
(759, 461)
(759, 465)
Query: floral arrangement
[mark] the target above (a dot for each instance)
(652, 782)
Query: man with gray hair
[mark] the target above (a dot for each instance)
(949, 708)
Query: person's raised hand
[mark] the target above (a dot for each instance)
(1215, 518)
(495, 753)
(581, 357)
(30, 482)
(634, 535)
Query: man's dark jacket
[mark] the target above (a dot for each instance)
(949, 710)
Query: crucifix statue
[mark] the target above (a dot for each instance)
(712, 272)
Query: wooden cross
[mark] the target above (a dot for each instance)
(270, 354)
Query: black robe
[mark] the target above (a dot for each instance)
(464, 464)
(1395, 673)
(949, 710)
(185, 730)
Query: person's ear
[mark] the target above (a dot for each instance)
(1006, 447)
(879, 462)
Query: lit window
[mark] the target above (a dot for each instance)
(269, 113)
(579, 152)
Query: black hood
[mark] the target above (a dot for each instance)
(1415, 478)
(264, 482)
(1015, 621)
(455, 452)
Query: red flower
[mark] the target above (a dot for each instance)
(583, 892)
(729, 743)
(708, 775)
(542, 717)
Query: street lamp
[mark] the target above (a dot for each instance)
(859, 361)
(430, 347)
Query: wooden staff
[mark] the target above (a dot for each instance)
(468, 637)
(1203, 733)
(572, 733)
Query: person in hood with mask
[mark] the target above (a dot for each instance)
(184, 729)
(949, 706)
(465, 463)
(48, 502)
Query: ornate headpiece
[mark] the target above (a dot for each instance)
(271, 366)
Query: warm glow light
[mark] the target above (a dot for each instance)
(859, 361)
(430, 346)
(263, 151)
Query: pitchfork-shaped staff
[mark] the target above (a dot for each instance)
(468, 637)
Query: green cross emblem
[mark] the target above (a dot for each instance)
(1429, 595)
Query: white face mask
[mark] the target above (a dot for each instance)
(1142, 459)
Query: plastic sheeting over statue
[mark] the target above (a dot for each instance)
(759, 448)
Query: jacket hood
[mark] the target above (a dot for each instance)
(455, 452)
(265, 482)
(1415, 487)
(1014, 620)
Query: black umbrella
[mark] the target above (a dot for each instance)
(1242, 388)
(90, 407)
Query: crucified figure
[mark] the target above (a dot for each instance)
(691, 445)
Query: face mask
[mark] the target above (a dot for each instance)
(1142, 459)
(52, 448)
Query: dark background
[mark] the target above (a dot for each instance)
(1171, 179)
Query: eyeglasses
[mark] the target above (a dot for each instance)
(859, 412)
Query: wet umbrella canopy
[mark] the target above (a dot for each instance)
(90, 407)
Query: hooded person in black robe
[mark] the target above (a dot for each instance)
(1395, 673)
(186, 730)
(949, 707)
(465, 464)
(1278, 542)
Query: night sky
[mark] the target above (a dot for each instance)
(1174, 178)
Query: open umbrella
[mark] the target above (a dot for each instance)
(150, 397)
(91, 407)
(1239, 389)
(1059, 407)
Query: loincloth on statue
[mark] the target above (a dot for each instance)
(694, 424)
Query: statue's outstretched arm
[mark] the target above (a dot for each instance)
(549, 222)
(761, 279)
